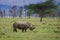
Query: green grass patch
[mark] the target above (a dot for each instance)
(48, 29)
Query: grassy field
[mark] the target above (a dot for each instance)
(49, 29)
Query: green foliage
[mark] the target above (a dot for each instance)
(43, 8)
(29, 13)
(48, 5)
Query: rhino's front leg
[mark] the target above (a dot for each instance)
(25, 30)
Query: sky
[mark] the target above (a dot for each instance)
(19, 2)
(22, 2)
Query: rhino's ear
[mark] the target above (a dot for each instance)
(29, 23)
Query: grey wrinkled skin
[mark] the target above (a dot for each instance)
(22, 26)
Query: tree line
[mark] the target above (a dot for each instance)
(13, 12)
(42, 9)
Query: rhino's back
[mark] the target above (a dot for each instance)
(22, 25)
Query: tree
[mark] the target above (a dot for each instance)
(13, 11)
(10, 12)
(20, 11)
(43, 8)
(1, 13)
(29, 13)
(4, 12)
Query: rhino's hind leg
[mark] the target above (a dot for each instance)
(14, 30)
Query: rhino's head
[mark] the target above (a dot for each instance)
(31, 27)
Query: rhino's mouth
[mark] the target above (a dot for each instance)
(32, 28)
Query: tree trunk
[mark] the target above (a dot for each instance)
(20, 15)
(41, 18)
(29, 17)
